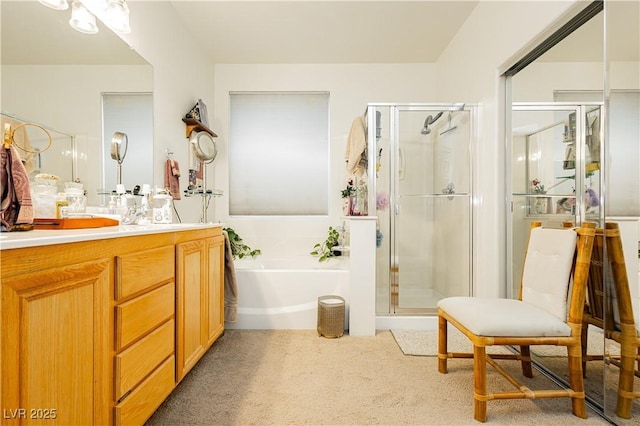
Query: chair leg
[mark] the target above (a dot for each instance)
(525, 360)
(625, 382)
(576, 381)
(479, 383)
(442, 345)
(584, 335)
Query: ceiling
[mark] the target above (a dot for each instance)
(271, 31)
(324, 31)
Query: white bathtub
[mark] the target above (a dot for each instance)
(282, 293)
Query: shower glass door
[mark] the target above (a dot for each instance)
(431, 206)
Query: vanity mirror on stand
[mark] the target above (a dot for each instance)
(202, 152)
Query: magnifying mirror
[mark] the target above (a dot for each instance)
(204, 146)
(119, 144)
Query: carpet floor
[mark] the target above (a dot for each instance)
(294, 377)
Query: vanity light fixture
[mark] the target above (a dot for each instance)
(81, 19)
(114, 13)
(55, 4)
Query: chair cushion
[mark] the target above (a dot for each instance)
(547, 269)
(503, 317)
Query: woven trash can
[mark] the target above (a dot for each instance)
(330, 316)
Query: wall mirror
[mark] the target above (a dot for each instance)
(59, 85)
(556, 98)
(38, 153)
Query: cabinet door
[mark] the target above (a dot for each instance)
(200, 299)
(215, 288)
(191, 304)
(55, 343)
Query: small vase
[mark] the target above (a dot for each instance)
(541, 205)
(346, 206)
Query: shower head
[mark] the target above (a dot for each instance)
(429, 121)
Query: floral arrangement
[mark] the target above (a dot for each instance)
(538, 187)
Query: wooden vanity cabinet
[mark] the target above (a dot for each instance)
(89, 328)
(55, 348)
(144, 333)
(200, 299)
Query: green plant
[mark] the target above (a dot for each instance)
(349, 191)
(238, 248)
(324, 249)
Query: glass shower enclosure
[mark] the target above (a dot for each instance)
(423, 199)
(555, 171)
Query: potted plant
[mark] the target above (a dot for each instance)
(325, 249)
(238, 248)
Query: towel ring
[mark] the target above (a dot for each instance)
(8, 138)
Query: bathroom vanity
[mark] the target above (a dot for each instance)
(99, 325)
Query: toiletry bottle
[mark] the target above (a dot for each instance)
(112, 205)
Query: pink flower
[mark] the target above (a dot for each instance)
(382, 201)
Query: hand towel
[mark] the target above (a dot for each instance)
(172, 178)
(355, 154)
(16, 206)
(230, 283)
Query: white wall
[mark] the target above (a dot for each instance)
(181, 75)
(351, 87)
(493, 34)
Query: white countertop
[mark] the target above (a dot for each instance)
(42, 237)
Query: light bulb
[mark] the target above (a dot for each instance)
(55, 4)
(116, 16)
(81, 19)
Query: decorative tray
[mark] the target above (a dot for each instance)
(74, 223)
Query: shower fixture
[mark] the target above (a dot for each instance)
(429, 121)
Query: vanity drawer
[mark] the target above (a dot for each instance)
(138, 271)
(136, 362)
(140, 315)
(146, 398)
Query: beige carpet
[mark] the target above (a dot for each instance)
(294, 377)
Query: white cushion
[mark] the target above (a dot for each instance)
(503, 317)
(547, 269)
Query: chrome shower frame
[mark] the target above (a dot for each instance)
(394, 110)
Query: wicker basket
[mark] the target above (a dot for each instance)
(330, 316)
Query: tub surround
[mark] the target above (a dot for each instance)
(99, 325)
(282, 293)
(362, 278)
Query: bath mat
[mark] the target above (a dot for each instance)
(425, 343)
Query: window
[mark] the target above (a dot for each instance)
(279, 153)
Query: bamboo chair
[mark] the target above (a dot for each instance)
(547, 313)
(615, 319)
